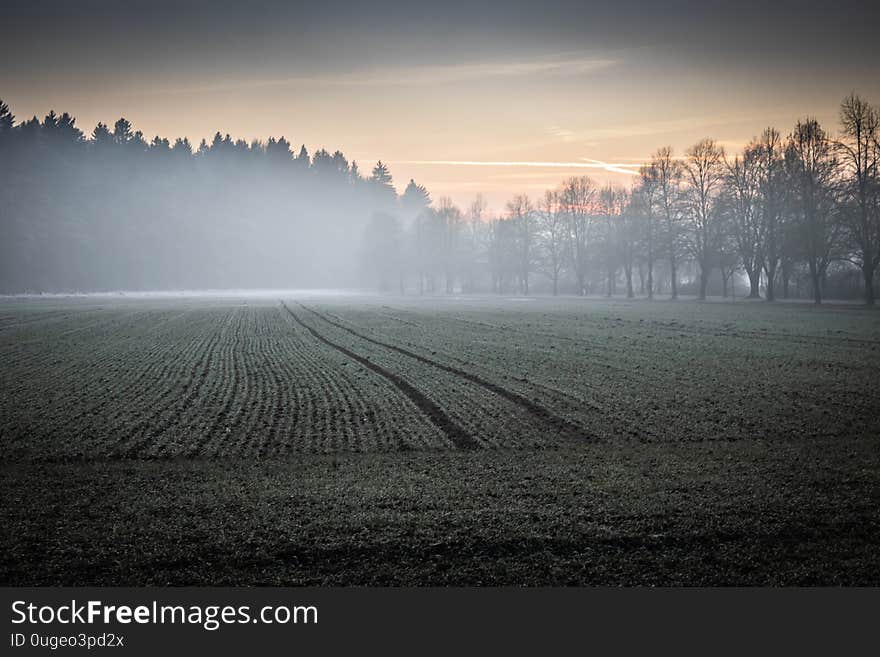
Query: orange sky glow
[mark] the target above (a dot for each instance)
(461, 109)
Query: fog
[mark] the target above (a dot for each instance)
(787, 216)
(109, 211)
(269, 293)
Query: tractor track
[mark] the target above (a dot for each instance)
(459, 437)
(565, 427)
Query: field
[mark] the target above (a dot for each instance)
(372, 440)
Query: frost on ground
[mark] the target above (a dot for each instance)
(379, 440)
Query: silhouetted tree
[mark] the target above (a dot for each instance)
(767, 152)
(182, 147)
(7, 119)
(472, 245)
(811, 167)
(704, 169)
(501, 252)
(612, 202)
(743, 189)
(122, 133)
(302, 160)
(115, 212)
(668, 176)
(551, 237)
(859, 149)
(384, 194)
(414, 204)
(646, 197)
(450, 221)
(578, 198)
(521, 215)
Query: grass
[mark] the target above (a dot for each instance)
(231, 442)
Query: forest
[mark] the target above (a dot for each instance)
(793, 215)
(113, 211)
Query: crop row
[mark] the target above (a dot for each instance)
(208, 381)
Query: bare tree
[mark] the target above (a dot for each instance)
(728, 263)
(747, 228)
(551, 236)
(472, 242)
(522, 216)
(859, 155)
(414, 203)
(767, 150)
(628, 228)
(431, 248)
(578, 197)
(812, 167)
(704, 170)
(612, 202)
(646, 193)
(669, 175)
(501, 252)
(451, 222)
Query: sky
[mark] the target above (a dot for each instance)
(465, 97)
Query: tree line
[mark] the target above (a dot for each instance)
(113, 210)
(794, 215)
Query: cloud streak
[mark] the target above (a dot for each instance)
(558, 65)
(584, 163)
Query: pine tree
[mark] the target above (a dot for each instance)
(381, 174)
(7, 119)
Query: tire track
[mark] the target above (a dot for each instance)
(306, 364)
(565, 427)
(459, 437)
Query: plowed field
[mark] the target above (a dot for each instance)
(356, 440)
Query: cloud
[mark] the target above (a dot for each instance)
(620, 167)
(561, 133)
(584, 163)
(671, 127)
(556, 65)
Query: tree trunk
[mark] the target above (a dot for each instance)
(555, 284)
(672, 277)
(629, 282)
(868, 274)
(816, 279)
(754, 283)
(771, 276)
(704, 282)
(650, 279)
